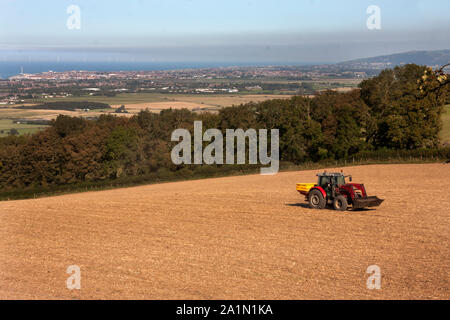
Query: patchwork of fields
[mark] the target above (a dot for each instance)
(134, 103)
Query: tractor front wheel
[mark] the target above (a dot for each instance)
(340, 203)
(316, 199)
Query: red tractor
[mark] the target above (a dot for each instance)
(332, 188)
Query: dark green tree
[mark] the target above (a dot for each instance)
(404, 117)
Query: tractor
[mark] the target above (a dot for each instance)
(332, 189)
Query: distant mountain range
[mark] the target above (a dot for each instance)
(429, 58)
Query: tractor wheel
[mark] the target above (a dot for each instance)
(340, 203)
(316, 199)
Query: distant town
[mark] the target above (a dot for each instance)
(287, 79)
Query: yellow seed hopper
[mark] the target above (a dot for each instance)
(304, 188)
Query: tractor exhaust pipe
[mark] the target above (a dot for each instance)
(367, 202)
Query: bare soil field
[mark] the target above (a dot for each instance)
(228, 100)
(199, 102)
(238, 237)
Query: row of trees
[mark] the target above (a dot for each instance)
(399, 110)
(67, 105)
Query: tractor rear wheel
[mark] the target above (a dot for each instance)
(316, 199)
(340, 203)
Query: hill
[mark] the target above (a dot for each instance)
(429, 58)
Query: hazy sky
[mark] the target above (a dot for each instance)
(227, 30)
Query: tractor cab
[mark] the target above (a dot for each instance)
(330, 181)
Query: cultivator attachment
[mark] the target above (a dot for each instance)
(366, 202)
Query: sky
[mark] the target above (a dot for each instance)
(211, 30)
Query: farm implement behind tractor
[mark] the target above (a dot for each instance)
(332, 188)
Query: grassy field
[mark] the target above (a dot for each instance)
(6, 125)
(445, 133)
(220, 100)
(118, 99)
(11, 113)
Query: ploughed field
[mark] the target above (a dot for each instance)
(249, 237)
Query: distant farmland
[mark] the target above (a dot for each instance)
(66, 105)
(7, 124)
(217, 100)
(48, 108)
